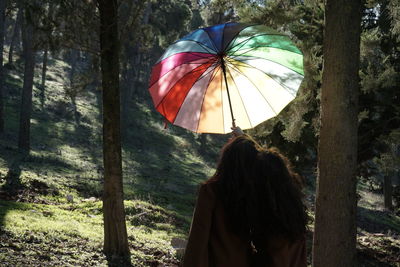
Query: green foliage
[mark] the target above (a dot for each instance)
(380, 79)
(298, 124)
(394, 10)
(296, 128)
(169, 19)
(162, 167)
(219, 11)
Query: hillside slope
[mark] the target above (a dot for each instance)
(50, 207)
(62, 176)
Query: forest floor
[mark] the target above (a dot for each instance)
(50, 200)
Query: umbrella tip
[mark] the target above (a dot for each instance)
(221, 54)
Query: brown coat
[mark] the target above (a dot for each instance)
(212, 244)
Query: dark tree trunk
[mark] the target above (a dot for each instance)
(44, 70)
(15, 36)
(26, 100)
(388, 192)
(335, 219)
(96, 71)
(45, 57)
(74, 56)
(2, 30)
(115, 233)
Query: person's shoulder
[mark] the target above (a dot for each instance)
(207, 188)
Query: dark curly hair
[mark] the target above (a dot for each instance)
(260, 193)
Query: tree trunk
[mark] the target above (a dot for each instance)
(115, 233)
(73, 93)
(15, 36)
(2, 30)
(73, 58)
(334, 241)
(44, 70)
(45, 57)
(26, 100)
(388, 192)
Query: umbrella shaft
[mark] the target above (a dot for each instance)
(227, 90)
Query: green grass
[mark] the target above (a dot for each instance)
(37, 233)
(150, 230)
(162, 169)
(54, 221)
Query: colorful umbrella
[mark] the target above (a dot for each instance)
(224, 75)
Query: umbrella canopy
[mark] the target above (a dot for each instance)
(219, 75)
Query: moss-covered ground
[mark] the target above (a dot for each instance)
(50, 200)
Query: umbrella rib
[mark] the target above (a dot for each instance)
(161, 59)
(281, 84)
(188, 52)
(256, 88)
(204, 96)
(253, 48)
(235, 56)
(207, 48)
(269, 61)
(194, 53)
(187, 63)
(212, 41)
(236, 35)
(241, 99)
(223, 37)
(198, 79)
(190, 72)
(242, 43)
(180, 40)
(222, 99)
(175, 68)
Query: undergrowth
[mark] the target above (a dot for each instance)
(50, 207)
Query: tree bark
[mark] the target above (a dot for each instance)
(2, 30)
(334, 241)
(388, 192)
(15, 36)
(115, 233)
(46, 56)
(26, 99)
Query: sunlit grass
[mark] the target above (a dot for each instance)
(52, 220)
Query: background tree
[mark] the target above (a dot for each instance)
(379, 117)
(47, 40)
(388, 166)
(28, 40)
(149, 27)
(2, 30)
(15, 38)
(115, 233)
(335, 218)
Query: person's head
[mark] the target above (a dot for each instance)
(236, 160)
(234, 171)
(259, 191)
(277, 191)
